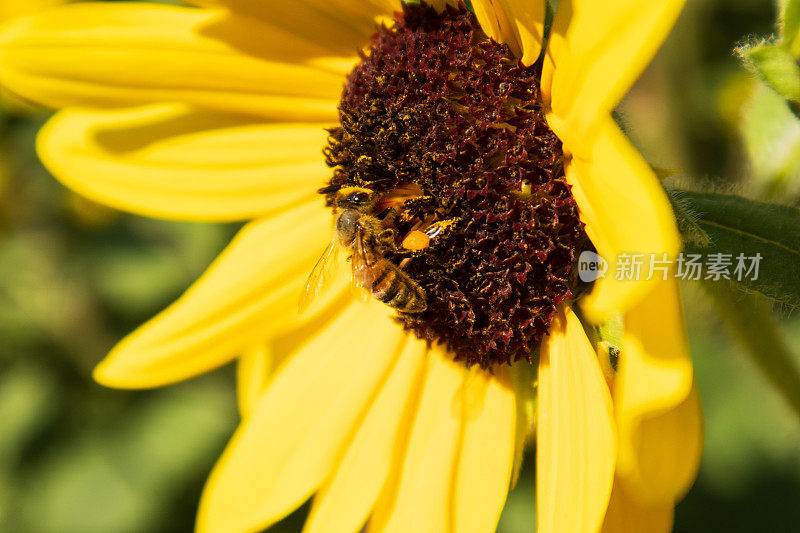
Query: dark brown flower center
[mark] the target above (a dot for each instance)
(448, 121)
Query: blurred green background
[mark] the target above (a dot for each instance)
(75, 277)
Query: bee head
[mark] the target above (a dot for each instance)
(355, 198)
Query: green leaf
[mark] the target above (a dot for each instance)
(778, 68)
(27, 396)
(519, 514)
(734, 225)
(611, 331)
(749, 318)
(771, 134)
(125, 476)
(790, 25)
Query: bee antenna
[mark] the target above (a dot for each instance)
(329, 189)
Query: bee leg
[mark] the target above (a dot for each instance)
(387, 239)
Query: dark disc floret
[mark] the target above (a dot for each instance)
(438, 110)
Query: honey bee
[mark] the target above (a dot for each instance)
(356, 229)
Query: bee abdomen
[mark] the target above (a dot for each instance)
(397, 290)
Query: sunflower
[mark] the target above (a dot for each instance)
(494, 163)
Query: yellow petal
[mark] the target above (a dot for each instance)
(598, 51)
(655, 372)
(658, 412)
(439, 5)
(660, 442)
(300, 426)
(127, 54)
(253, 370)
(495, 22)
(487, 451)
(487, 18)
(626, 212)
(379, 7)
(576, 445)
(345, 502)
(626, 515)
(11, 9)
(418, 498)
(248, 294)
(518, 23)
(343, 26)
(668, 449)
(170, 162)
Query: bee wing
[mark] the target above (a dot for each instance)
(398, 196)
(321, 276)
(362, 264)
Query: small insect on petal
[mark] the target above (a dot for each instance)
(416, 240)
(608, 354)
